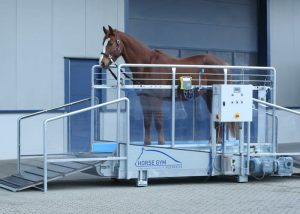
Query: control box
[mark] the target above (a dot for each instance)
(232, 103)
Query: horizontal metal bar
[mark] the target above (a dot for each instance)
(86, 159)
(276, 154)
(159, 87)
(55, 108)
(86, 109)
(197, 66)
(276, 106)
(187, 73)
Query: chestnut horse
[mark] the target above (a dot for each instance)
(117, 43)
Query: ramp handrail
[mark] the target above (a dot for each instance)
(276, 106)
(123, 99)
(275, 153)
(36, 114)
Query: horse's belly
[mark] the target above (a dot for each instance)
(159, 93)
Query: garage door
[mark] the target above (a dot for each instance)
(227, 28)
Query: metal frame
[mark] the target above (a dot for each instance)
(119, 86)
(33, 115)
(244, 172)
(225, 68)
(46, 122)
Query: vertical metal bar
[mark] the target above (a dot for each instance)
(261, 117)
(19, 147)
(45, 156)
(213, 145)
(118, 110)
(248, 147)
(194, 118)
(274, 142)
(225, 75)
(128, 137)
(173, 107)
(69, 109)
(118, 81)
(242, 171)
(92, 104)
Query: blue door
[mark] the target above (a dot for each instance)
(77, 87)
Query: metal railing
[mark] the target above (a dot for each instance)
(33, 115)
(270, 74)
(47, 121)
(238, 74)
(275, 153)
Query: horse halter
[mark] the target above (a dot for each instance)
(115, 52)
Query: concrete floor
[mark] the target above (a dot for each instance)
(89, 194)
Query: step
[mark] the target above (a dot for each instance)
(32, 174)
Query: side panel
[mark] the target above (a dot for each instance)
(164, 162)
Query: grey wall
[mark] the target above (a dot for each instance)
(36, 35)
(226, 28)
(223, 25)
(285, 49)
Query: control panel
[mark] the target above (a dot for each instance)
(232, 103)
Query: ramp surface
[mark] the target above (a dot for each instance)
(32, 173)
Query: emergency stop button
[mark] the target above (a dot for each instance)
(237, 115)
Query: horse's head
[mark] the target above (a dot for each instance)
(112, 47)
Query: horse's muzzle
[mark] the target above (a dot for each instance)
(104, 63)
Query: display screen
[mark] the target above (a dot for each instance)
(236, 90)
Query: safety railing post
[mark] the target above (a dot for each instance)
(173, 107)
(19, 147)
(128, 138)
(45, 156)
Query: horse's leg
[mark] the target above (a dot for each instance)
(208, 99)
(158, 119)
(233, 127)
(146, 106)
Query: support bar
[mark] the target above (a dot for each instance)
(35, 114)
(45, 152)
(276, 106)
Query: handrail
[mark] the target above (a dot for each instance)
(35, 114)
(197, 66)
(276, 106)
(52, 109)
(78, 112)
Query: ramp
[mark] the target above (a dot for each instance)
(32, 173)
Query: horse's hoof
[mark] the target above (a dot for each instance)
(147, 143)
(161, 142)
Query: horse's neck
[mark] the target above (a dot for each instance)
(134, 51)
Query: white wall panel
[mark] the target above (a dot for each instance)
(35, 36)
(68, 40)
(8, 69)
(34, 54)
(101, 13)
(32, 135)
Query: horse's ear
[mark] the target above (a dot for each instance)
(105, 30)
(111, 31)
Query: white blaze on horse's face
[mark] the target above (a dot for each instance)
(101, 63)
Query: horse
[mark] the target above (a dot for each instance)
(117, 43)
